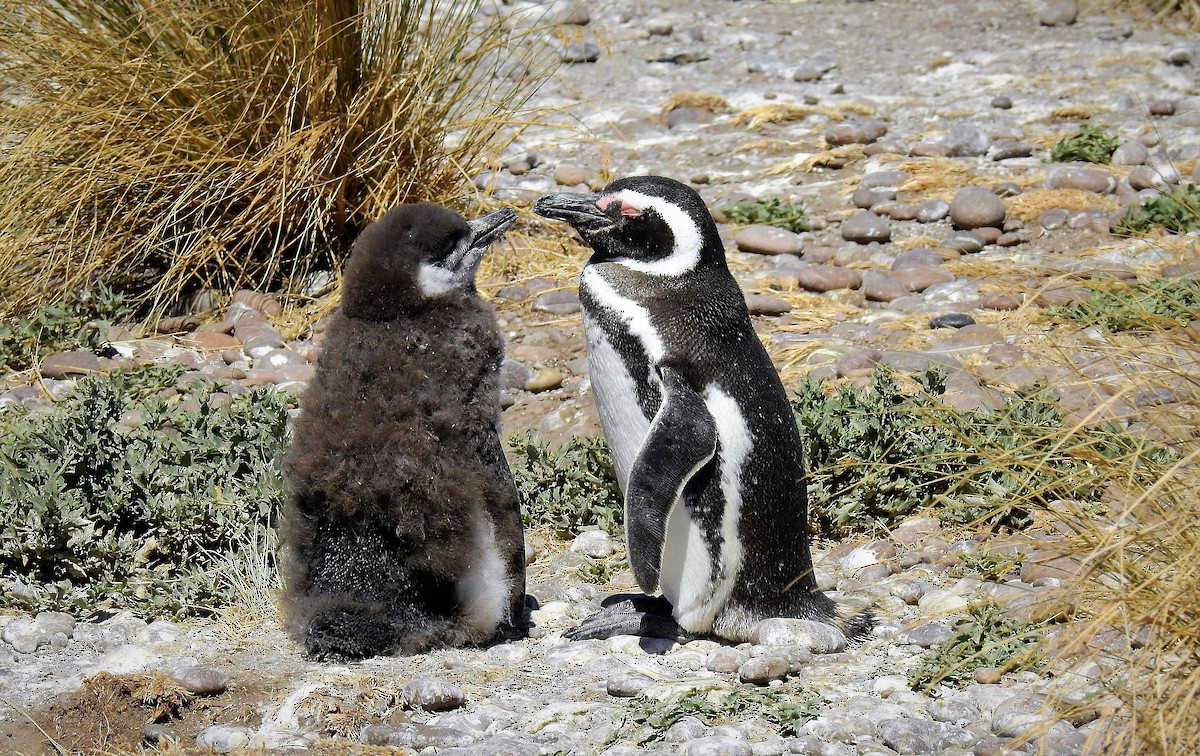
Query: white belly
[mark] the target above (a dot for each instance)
(625, 426)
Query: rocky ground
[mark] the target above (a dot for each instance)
(874, 116)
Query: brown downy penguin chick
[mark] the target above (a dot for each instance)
(403, 531)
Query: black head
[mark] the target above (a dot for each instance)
(415, 253)
(649, 223)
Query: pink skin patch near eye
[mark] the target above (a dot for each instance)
(628, 210)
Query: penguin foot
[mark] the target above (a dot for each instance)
(631, 614)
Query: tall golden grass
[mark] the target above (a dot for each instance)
(169, 145)
(1183, 11)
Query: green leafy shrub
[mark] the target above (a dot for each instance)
(170, 145)
(877, 455)
(1137, 307)
(75, 322)
(1091, 144)
(787, 708)
(988, 639)
(770, 212)
(96, 512)
(572, 488)
(1176, 209)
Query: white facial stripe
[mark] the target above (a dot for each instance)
(688, 241)
(434, 280)
(634, 315)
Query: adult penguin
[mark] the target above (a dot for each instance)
(703, 439)
(403, 531)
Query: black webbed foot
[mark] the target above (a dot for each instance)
(631, 614)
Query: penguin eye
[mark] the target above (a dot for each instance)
(627, 210)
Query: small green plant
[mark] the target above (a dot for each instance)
(598, 571)
(987, 639)
(97, 509)
(989, 565)
(876, 455)
(770, 212)
(571, 488)
(787, 708)
(1091, 144)
(1137, 307)
(1177, 210)
(75, 322)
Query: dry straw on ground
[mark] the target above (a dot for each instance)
(168, 145)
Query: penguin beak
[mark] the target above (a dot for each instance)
(485, 232)
(580, 210)
(490, 228)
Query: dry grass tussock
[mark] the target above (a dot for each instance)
(1180, 12)
(167, 145)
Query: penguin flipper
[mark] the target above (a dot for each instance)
(681, 440)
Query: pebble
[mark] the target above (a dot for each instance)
(847, 133)
(761, 304)
(921, 277)
(1132, 152)
(822, 278)
(809, 635)
(964, 242)
(974, 207)
(595, 543)
(927, 634)
(159, 735)
(966, 140)
(931, 211)
(581, 52)
(203, 681)
(1020, 714)
(64, 365)
(768, 240)
(864, 227)
(951, 320)
(545, 379)
(1179, 56)
(1082, 179)
(224, 738)
(1002, 102)
(561, 302)
(761, 670)
(908, 735)
(570, 175)
(878, 287)
(717, 745)
(431, 694)
(1058, 13)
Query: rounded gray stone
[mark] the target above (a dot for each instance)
(951, 320)
(1081, 179)
(828, 278)
(1058, 13)
(865, 227)
(1020, 714)
(976, 207)
(717, 745)
(966, 140)
(816, 637)
(224, 738)
(595, 543)
(24, 635)
(878, 287)
(927, 635)
(432, 694)
(907, 735)
(1132, 152)
(932, 210)
(921, 277)
(964, 242)
(562, 302)
(761, 304)
(203, 681)
(768, 240)
(725, 659)
(761, 670)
